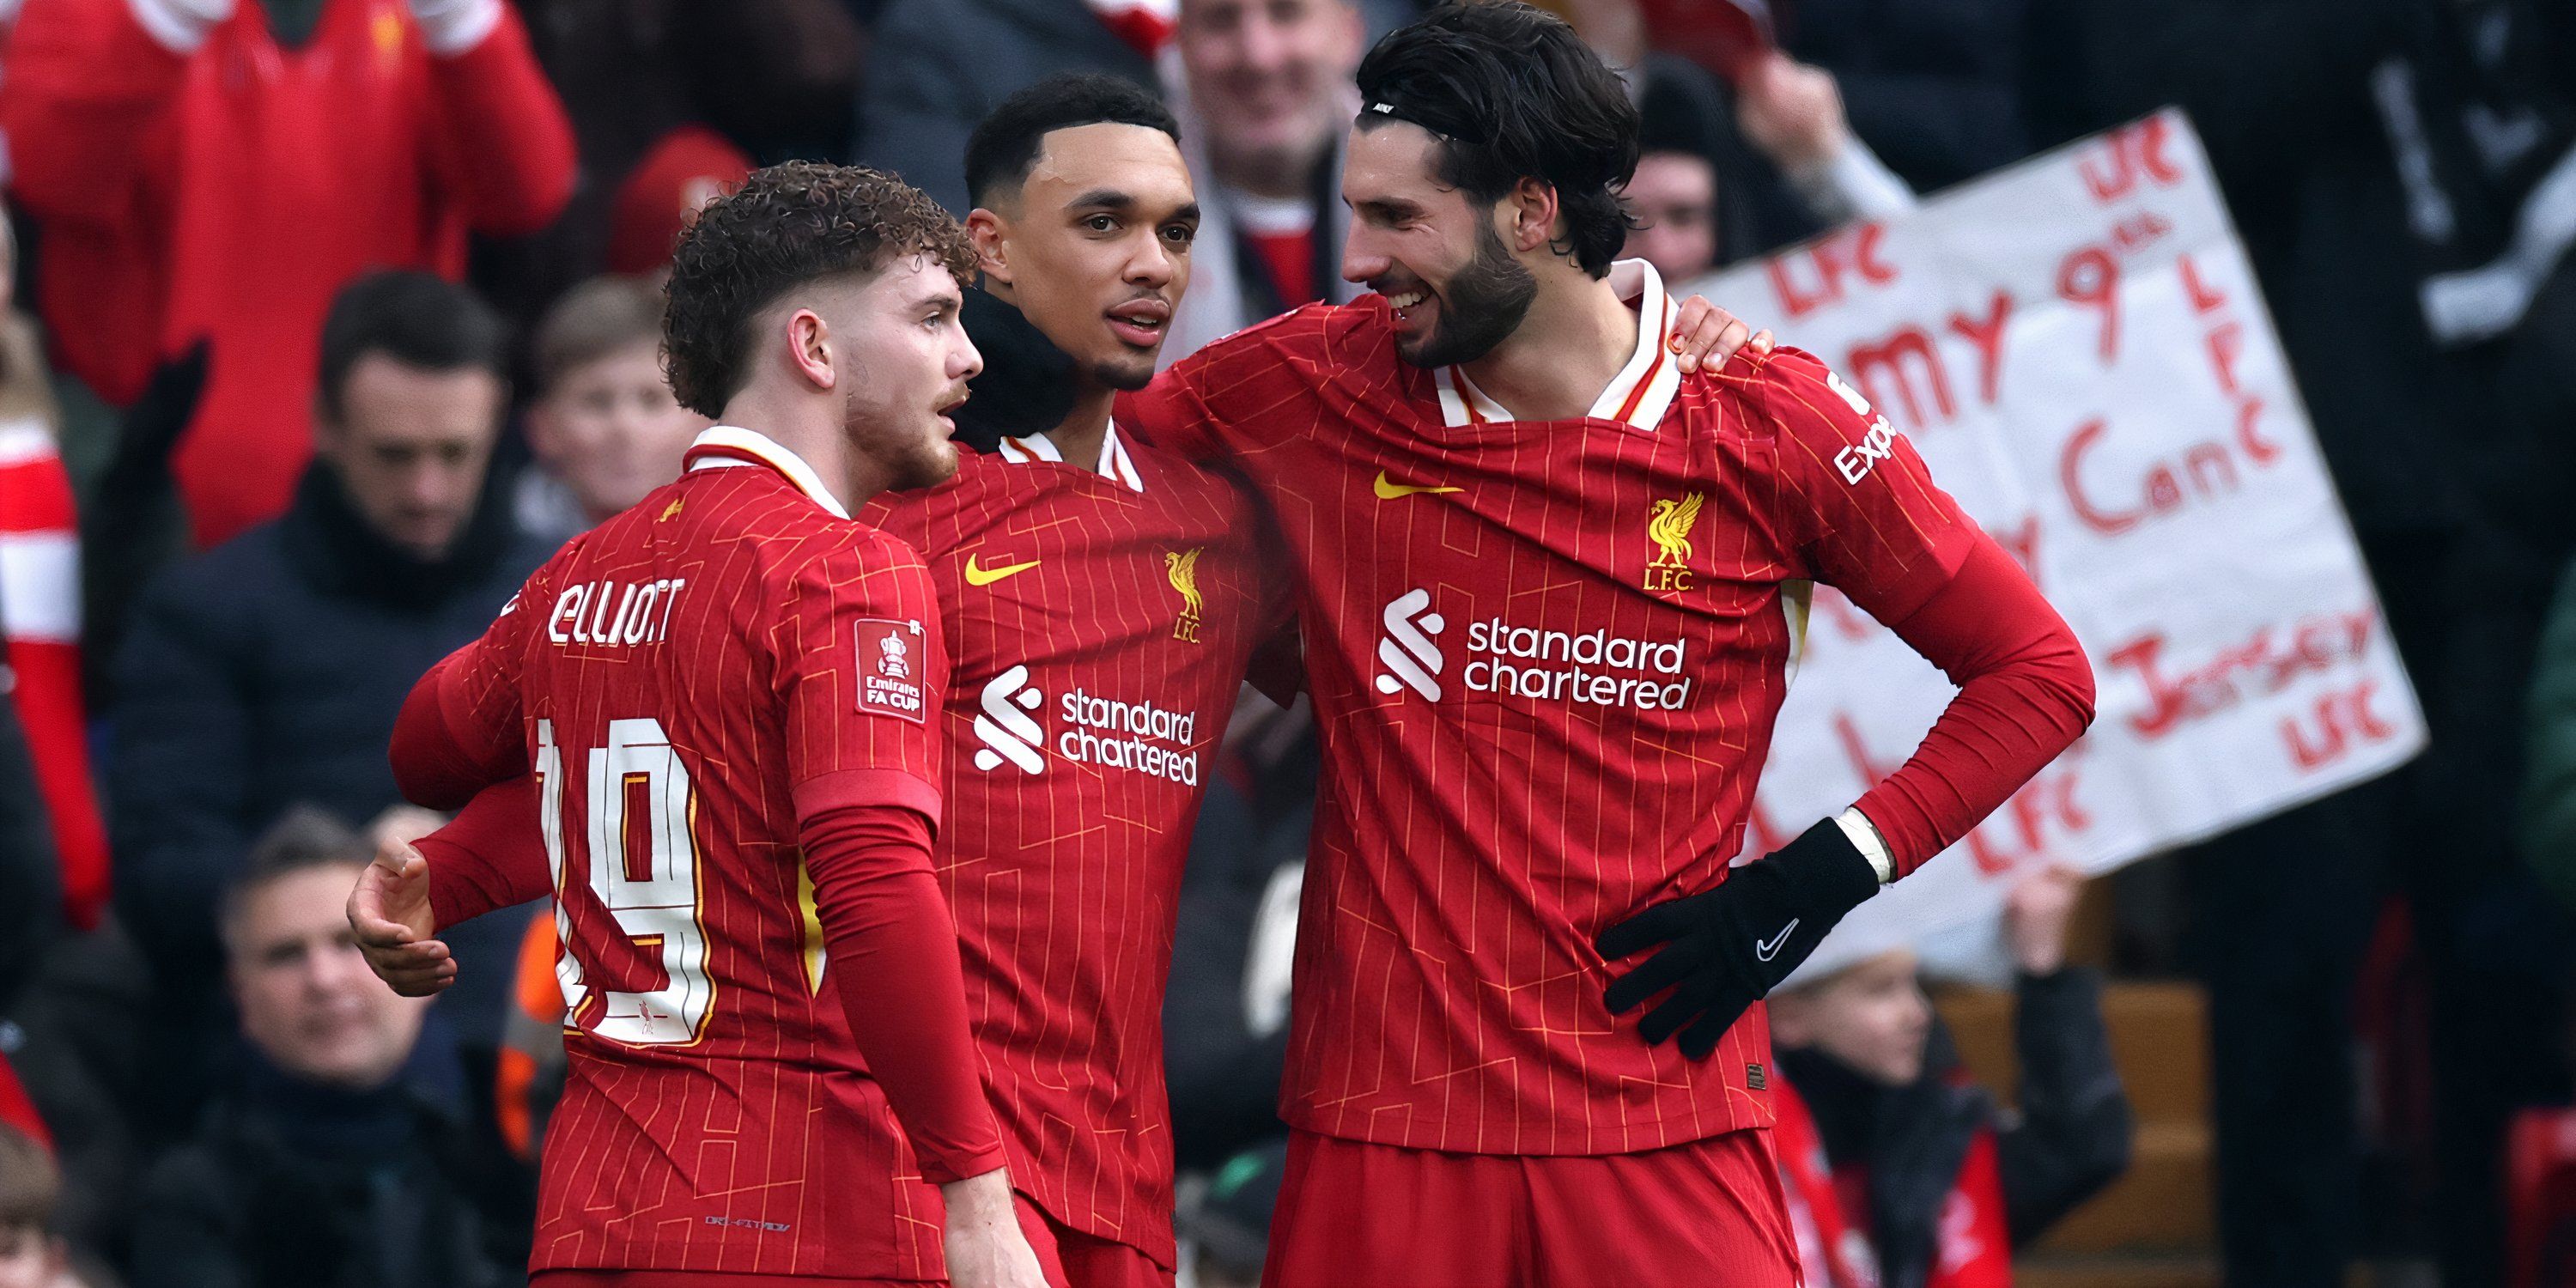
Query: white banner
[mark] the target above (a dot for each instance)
(2077, 347)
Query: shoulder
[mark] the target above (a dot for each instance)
(1311, 332)
(1784, 393)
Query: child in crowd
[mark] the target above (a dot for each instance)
(1901, 1171)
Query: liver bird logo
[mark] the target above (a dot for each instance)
(1182, 568)
(1670, 523)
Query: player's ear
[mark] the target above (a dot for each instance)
(992, 244)
(1530, 209)
(809, 347)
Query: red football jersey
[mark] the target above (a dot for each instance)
(687, 674)
(1545, 658)
(1100, 622)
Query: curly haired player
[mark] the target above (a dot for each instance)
(720, 706)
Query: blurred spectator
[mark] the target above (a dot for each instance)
(1266, 103)
(604, 426)
(30, 881)
(339, 1158)
(218, 168)
(1227, 1232)
(651, 85)
(269, 671)
(1934, 86)
(1952, 1183)
(40, 614)
(1790, 117)
(31, 1254)
(936, 67)
(2398, 170)
(684, 170)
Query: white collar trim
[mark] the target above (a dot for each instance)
(767, 451)
(1639, 395)
(1114, 461)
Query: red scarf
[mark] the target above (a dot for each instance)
(1145, 24)
(40, 564)
(1832, 1252)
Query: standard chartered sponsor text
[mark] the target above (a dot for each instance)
(1576, 666)
(1136, 736)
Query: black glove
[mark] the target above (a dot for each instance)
(1727, 948)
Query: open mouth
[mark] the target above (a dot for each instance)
(947, 406)
(1405, 303)
(1141, 322)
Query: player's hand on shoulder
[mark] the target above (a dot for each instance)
(1705, 335)
(389, 913)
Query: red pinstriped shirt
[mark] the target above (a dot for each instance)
(1100, 621)
(1545, 657)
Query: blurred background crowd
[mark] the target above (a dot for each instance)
(325, 321)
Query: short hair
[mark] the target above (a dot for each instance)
(417, 319)
(593, 320)
(1512, 93)
(787, 225)
(305, 837)
(30, 1184)
(1007, 141)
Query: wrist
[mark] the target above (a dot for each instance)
(981, 1198)
(1825, 870)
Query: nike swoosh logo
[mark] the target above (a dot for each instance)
(1765, 952)
(976, 576)
(1388, 489)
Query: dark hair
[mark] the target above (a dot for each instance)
(303, 838)
(787, 225)
(1513, 94)
(30, 1184)
(417, 319)
(593, 320)
(1007, 141)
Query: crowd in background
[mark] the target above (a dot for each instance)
(329, 319)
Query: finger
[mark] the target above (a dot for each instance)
(1702, 1037)
(1763, 340)
(421, 953)
(1643, 931)
(1661, 971)
(420, 983)
(1686, 1003)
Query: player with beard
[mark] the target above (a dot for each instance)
(720, 706)
(1551, 591)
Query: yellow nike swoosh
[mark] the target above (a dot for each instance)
(1388, 489)
(987, 576)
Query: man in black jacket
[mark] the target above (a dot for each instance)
(338, 1156)
(268, 671)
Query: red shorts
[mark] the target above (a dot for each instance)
(1073, 1259)
(1352, 1214)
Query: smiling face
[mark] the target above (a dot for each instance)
(1269, 79)
(1454, 287)
(901, 361)
(307, 999)
(1094, 248)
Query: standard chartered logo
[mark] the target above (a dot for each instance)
(1008, 732)
(1139, 737)
(1412, 660)
(1589, 668)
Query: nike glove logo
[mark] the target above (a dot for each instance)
(1766, 951)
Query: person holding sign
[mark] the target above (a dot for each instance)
(1552, 588)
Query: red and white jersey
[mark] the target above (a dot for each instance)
(1099, 621)
(1545, 658)
(692, 675)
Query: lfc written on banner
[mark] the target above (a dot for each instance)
(2077, 347)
